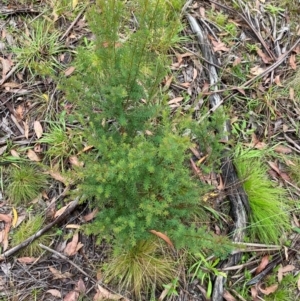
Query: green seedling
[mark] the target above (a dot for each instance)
(172, 287)
(205, 270)
(39, 49)
(140, 269)
(25, 182)
(274, 10)
(240, 128)
(27, 229)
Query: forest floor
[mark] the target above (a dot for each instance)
(38, 45)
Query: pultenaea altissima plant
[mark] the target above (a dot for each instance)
(137, 175)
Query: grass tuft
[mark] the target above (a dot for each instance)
(25, 230)
(25, 182)
(269, 217)
(140, 269)
(39, 49)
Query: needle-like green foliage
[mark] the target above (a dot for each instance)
(137, 175)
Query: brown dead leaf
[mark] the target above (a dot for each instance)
(80, 286)
(219, 46)
(264, 262)
(168, 81)
(163, 237)
(5, 236)
(292, 93)
(72, 226)
(175, 100)
(69, 71)
(257, 70)
(60, 211)
(73, 246)
(3, 149)
(282, 149)
(19, 112)
(56, 175)
(26, 129)
(54, 293)
(27, 260)
(90, 216)
(75, 161)
(268, 290)
(237, 61)
(298, 284)
(195, 73)
(277, 81)
(33, 156)
(282, 270)
(38, 129)
(228, 297)
(266, 59)
(292, 61)
(283, 175)
(254, 293)
(104, 294)
(14, 153)
(202, 11)
(6, 66)
(5, 218)
(71, 296)
(59, 275)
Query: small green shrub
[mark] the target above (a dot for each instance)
(269, 213)
(25, 182)
(137, 175)
(25, 230)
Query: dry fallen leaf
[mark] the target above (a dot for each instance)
(268, 290)
(38, 129)
(69, 71)
(33, 156)
(59, 275)
(54, 293)
(15, 217)
(14, 153)
(175, 100)
(104, 294)
(27, 260)
(292, 62)
(228, 297)
(75, 161)
(5, 218)
(283, 270)
(162, 236)
(58, 176)
(6, 66)
(266, 59)
(19, 112)
(90, 216)
(282, 149)
(26, 129)
(264, 262)
(219, 46)
(73, 246)
(80, 286)
(71, 296)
